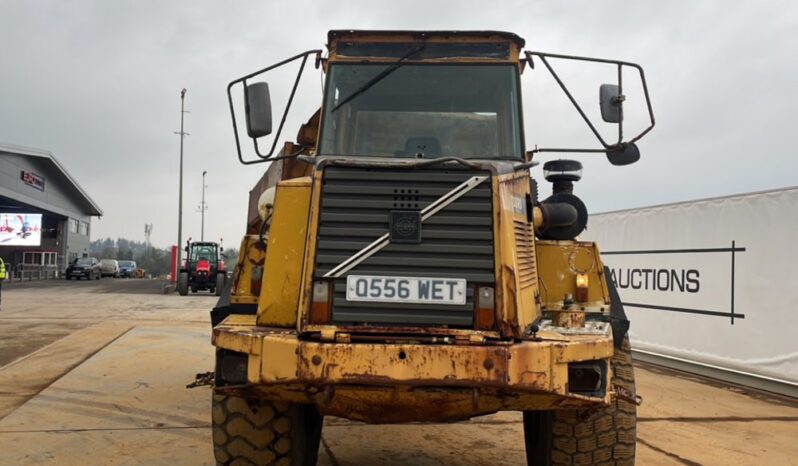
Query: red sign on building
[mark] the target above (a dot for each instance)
(32, 179)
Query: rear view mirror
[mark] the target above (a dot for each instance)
(625, 155)
(611, 102)
(258, 110)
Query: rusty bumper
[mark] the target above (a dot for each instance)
(476, 378)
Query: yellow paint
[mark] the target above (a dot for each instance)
(251, 258)
(306, 293)
(279, 297)
(516, 262)
(560, 262)
(525, 375)
(279, 362)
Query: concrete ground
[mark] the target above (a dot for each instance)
(94, 373)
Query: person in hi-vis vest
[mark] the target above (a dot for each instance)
(2, 277)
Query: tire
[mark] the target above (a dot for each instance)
(260, 432)
(182, 283)
(220, 279)
(603, 437)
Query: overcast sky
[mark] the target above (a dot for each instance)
(98, 83)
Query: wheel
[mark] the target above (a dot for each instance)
(182, 283)
(220, 279)
(605, 437)
(263, 432)
(98, 276)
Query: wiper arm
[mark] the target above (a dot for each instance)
(383, 74)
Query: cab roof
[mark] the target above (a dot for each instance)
(348, 45)
(406, 35)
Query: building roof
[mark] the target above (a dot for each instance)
(93, 208)
(703, 199)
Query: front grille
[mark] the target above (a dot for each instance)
(457, 242)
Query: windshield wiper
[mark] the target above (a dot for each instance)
(379, 77)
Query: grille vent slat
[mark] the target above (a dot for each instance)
(525, 253)
(457, 242)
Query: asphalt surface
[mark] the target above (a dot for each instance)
(94, 373)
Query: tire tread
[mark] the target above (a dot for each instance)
(606, 436)
(251, 432)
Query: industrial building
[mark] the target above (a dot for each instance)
(45, 215)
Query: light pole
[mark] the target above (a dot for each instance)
(203, 207)
(182, 134)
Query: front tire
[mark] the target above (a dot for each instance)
(264, 432)
(220, 279)
(182, 283)
(606, 437)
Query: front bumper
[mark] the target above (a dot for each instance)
(361, 380)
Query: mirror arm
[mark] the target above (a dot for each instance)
(243, 80)
(285, 113)
(620, 64)
(570, 97)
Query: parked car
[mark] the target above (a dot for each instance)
(127, 269)
(84, 267)
(109, 268)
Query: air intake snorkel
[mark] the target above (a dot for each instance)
(565, 214)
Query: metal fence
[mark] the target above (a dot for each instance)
(34, 272)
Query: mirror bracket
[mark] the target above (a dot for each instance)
(615, 102)
(243, 80)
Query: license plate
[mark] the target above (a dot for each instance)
(416, 290)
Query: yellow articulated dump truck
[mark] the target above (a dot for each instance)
(399, 265)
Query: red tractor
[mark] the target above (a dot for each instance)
(203, 269)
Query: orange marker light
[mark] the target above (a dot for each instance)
(322, 302)
(485, 309)
(581, 287)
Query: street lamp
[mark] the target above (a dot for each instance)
(203, 207)
(182, 134)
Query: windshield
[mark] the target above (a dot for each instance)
(127, 264)
(83, 261)
(422, 111)
(203, 252)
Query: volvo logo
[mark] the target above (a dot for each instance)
(405, 226)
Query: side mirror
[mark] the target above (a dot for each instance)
(625, 155)
(611, 103)
(258, 110)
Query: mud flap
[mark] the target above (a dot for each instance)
(223, 307)
(617, 317)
